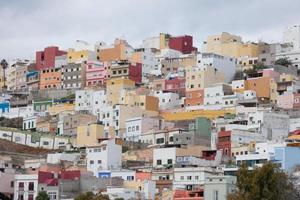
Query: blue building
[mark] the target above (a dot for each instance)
(4, 107)
(287, 157)
(104, 174)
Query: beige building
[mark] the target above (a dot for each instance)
(230, 45)
(202, 77)
(173, 64)
(89, 135)
(144, 102)
(114, 88)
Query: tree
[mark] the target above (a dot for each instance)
(283, 61)
(91, 196)
(266, 183)
(4, 65)
(255, 68)
(42, 196)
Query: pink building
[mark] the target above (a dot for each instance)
(270, 73)
(286, 101)
(96, 73)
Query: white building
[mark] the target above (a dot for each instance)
(145, 190)
(219, 96)
(151, 42)
(91, 101)
(218, 187)
(125, 174)
(238, 84)
(24, 112)
(224, 64)
(135, 127)
(25, 186)
(292, 35)
(293, 56)
(188, 177)
(29, 122)
(167, 100)
(164, 156)
(56, 158)
(164, 53)
(105, 156)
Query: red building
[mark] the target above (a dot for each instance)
(135, 72)
(184, 44)
(46, 59)
(176, 85)
(224, 142)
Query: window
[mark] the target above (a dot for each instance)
(31, 186)
(137, 128)
(170, 161)
(181, 177)
(129, 129)
(196, 177)
(21, 186)
(216, 195)
(99, 161)
(189, 177)
(160, 140)
(20, 197)
(91, 162)
(30, 197)
(158, 162)
(130, 178)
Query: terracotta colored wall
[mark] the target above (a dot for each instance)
(112, 54)
(141, 176)
(260, 85)
(50, 77)
(194, 98)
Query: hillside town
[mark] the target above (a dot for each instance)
(165, 119)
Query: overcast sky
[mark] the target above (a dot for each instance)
(30, 25)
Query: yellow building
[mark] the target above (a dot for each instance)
(230, 45)
(164, 40)
(191, 115)
(88, 135)
(74, 56)
(114, 88)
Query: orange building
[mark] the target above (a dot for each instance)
(50, 79)
(260, 85)
(194, 98)
(119, 51)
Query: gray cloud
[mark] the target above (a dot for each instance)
(27, 26)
